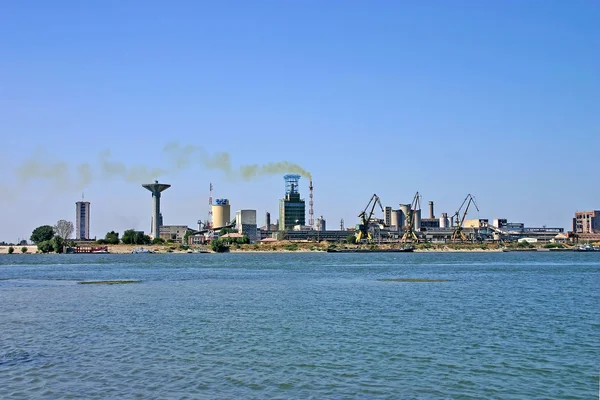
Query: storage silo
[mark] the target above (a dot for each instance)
(444, 221)
(404, 213)
(417, 220)
(396, 219)
(221, 213)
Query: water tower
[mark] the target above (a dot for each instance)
(156, 188)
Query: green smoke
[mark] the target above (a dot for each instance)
(64, 177)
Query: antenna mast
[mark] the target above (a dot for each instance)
(311, 221)
(210, 203)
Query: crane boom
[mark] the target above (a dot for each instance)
(458, 229)
(365, 216)
(410, 235)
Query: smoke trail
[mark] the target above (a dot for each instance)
(136, 174)
(64, 177)
(188, 155)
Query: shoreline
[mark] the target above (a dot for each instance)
(127, 249)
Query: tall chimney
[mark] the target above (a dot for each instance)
(431, 210)
(268, 221)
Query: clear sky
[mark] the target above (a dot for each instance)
(500, 99)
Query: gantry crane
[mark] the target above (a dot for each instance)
(458, 233)
(365, 216)
(409, 234)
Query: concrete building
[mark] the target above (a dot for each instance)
(387, 218)
(428, 223)
(221, 212)
(321, 224)
(586, 222)
(476, 223)
(245, 221)
(173, 232)
(82, 220)
(292, 209)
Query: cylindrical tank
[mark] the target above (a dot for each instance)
(417, 220)
(444, 220)
(221, 213)
(431, 210)
(396, 218)
(404, 212)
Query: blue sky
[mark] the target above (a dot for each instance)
(497, 99)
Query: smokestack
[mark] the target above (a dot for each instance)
(431, 210)
(268, 221)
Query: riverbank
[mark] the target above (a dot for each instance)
(287, 247)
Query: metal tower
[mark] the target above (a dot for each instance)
(311, 221)
(210, 203)
(156, 188)
(291, 183)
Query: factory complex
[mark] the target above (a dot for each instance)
(403, 224)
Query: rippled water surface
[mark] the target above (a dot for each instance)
(308, 325)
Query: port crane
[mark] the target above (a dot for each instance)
(409, 234)
(458, 233)
(365, 216)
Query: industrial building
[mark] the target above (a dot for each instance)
(175, 233)
(82, 220)
(586, 222)
(245, 222)
(292, 209)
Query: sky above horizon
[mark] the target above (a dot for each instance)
(497, 99)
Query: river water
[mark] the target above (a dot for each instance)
(298, 326)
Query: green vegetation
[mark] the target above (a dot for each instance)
(42, 234)
(291, 246)
(58, 244)
(351, 239)
(158, 240)
(218, 246)
(231, 240)
(23, 249)
(11, 250)
(46, 246)
(554, 246)
(130, 236)
(112, 237)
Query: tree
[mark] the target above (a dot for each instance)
(140, 238)
(64, 229)
(218, 246)
(45, 246)
(11, 250)
(351, 239)
(158, 240)
(23, 249)
(128, 237)
(112, 237)
(42, 234)
(58, 244)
